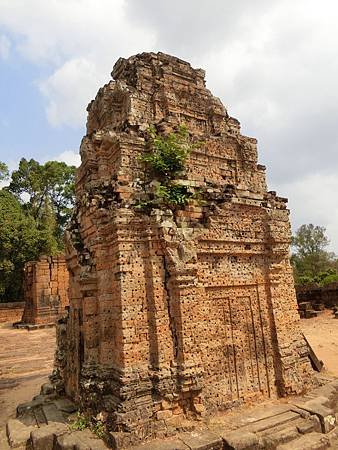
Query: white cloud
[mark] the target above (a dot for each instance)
(5, 45)
(312, 199)
(70, 157)
(68, 91)
(79, 40)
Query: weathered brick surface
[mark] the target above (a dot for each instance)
(45, 290)
(11, 312)
(175, 315)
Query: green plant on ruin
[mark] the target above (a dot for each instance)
(165, 161)
(167, 155)
(98, 428)
(81, 423)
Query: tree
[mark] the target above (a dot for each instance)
(310, 256)
(4, 173)
(34, 210)
(20, 241)
(45, 189)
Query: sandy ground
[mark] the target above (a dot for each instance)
(322, 334)
(26, 360)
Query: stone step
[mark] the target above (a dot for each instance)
(311, 441)
(272, 440)
(201, 440)
(270, 422)
(301, 425)
(325, 415)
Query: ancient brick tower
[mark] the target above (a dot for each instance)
(175, 314)
(45, 290)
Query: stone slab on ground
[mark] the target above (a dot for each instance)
(65, 405)
(270, 422)
(27, 407)
(325, 415)
(273, 439)
(168, 444)
(44, 438)
(311, 441)
(18, 433)
(236, 440)
(202, 440)
(79, 440)
(53, 414)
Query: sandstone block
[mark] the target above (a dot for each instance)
(18, 433)
(239, 440)
(44, 438)
(202, 440)
(79, 440)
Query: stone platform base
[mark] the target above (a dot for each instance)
(297, 423)
(30, 326)
(43, 424)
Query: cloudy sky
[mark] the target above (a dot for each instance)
(273, 63)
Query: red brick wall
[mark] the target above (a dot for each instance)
(45, 290)
(11, 312)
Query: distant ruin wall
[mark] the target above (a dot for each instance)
(179, 312)
(45, 290)
(11, 312)
(326, 295)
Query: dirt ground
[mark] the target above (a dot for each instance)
(322, 334)
(26, 360)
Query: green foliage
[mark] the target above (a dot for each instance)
(167, 154)
(311, 262)
(332, 278)
(20, 241)
(4, 173)
(310, 240)
(172, 195)
(34, 210)
(98, 428)
(46, 190)
(165, 161)
(304, 279)
(81, 423)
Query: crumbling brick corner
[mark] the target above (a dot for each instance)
(175, 313)
(45, 290)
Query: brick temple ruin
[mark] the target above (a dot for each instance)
(45, 291)
(180, 313)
